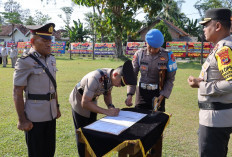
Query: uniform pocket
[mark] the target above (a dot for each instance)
(38, 71)
(143, 69)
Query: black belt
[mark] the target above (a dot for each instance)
(48, 96)
(214, 106)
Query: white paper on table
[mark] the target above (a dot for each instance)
(115, 125)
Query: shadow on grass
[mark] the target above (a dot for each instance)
(190, 65)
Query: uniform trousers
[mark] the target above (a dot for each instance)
(0, 59)
(4, 60)
(144, 99)
(13, 61)
(80, 121)
(213, 141)
(41, 139)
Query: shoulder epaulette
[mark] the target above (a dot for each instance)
(24, 56)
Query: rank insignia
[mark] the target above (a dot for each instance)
(162, 59)
(143, 67)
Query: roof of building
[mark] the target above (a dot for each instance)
(6, 30)
(175, 28)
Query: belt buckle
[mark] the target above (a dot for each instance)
(154, 86)
(143, 86)
(52, 96)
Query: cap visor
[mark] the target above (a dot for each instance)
(46, 37)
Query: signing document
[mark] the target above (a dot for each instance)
(116, 125)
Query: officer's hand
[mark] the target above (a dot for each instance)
(58, 113)
(113, 112)
(25, 125)
(194, 82)
(128, 100)
(160, 98)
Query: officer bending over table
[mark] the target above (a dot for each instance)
(83, 97)
(34, 77)
(158, 68)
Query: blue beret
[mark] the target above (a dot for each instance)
(154, 38)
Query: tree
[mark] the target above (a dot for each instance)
(119, 16)
(164, 29)
(30, 21)
(209, 4)
(41, 18)
(68, 13)
(77, 32)
(12, 14)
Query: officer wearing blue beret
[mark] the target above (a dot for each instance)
(158, 68)
(35, 79)
(215, 86)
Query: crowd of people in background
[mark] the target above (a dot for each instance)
(11, 52)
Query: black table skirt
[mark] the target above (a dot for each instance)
(146, 131)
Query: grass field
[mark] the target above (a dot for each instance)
(180, 137)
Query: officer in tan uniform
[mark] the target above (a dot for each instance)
(158, 68)
(34, 77)
(13, 55)
(215, 86)
(4, 53)
(25, 51)
(83, 97)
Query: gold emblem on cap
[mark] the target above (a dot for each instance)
(50, 30)
(207, 19)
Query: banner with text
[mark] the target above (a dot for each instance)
(104, 49)
(132, 47)
(81, 48)
(58, 47)
(22, 45)
(194, 49)
(178, 48)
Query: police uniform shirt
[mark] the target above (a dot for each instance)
(217, 85)
(149, 66)
(93, 86)
(30, 74)
(13, 53)
(4, 52)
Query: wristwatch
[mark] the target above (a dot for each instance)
(111, 106)
(129, 94)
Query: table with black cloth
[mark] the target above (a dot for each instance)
(139, 138)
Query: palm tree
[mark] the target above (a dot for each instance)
(77, 32)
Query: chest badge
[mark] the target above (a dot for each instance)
(143, 67)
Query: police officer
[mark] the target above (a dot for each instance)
(13, 55)
(83, 97)
(158, 68)
(4, 53)
(25, 51)
(34, 77)
(215, 86)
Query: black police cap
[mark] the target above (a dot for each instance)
(44, 31)
(127, 74)
(216, 14)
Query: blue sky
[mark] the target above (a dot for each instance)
(53, 10)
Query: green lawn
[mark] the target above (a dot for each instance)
(180, 137)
